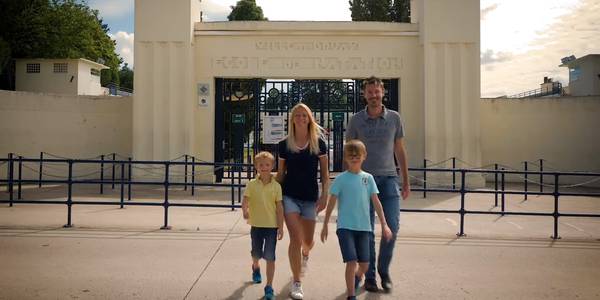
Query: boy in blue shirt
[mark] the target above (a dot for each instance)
(354, 188)
(262, 206)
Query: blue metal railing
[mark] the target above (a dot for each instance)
(240, 172)
(555, 89)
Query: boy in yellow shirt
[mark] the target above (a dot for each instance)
(262, 206)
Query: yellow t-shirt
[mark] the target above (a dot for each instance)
(262, 202)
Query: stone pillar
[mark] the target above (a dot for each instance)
(449, 34)
(164, 71)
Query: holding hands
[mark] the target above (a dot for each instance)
(321, 203)
(386, 232)
(324, 232)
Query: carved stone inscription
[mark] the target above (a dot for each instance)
(306, 46)
(308, 63)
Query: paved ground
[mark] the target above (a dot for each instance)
(114, 253)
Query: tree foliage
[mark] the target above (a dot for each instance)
(401, 11)
(246, 10)
(57, 29)
(380, 10)
(126, 77)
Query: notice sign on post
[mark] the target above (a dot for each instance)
(273, 129)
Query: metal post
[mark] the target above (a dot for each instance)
(20, 177)
(10, 179)
(424, 178)
(453, 173)
(113, 171)
(462, 204)
(525, 181)
(556, 214)
(69, 194)
(129, 179)
(233, 190)
(122, 180)
(40, 169)
(232, 182)
(166, 201)
(496, 185)
(502, 187)
(240, 185)
(541, 176)
(185, 178)
(102, 174)
(193, 174)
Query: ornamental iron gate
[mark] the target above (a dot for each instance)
(243, 105)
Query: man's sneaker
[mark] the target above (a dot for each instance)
(269, 294)
(296, 292)
(351, 298)
(386, 283)
(371, 285)
(256, 278)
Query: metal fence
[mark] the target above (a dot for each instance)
(166, 176)
(121, 176)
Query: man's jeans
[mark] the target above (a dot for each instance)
(389, 195)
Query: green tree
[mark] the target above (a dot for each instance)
(246, 10)
(126, 77)
(380, 10)
(371, 10)
(57, 29)
(401, 11)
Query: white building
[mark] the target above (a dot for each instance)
(584, 75)
(59, 76)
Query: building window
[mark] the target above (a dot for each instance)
(574, 73)
(33, 68)
(95, 72)
(60, 67)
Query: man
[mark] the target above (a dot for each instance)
(382, 132)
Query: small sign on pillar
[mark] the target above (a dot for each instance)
(203, 90)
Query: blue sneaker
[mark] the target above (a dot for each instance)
(256, 278)
(269, 294)
(357, 281)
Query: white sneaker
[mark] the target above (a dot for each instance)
(304, 261)
(296, 292)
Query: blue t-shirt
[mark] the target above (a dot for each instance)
(354, 191)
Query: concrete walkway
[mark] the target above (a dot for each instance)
(113, 253)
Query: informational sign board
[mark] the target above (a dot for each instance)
(237, 118)
(273, 129)
(338, 116)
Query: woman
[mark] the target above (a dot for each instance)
(300, 153)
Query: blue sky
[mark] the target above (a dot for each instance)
(521, 41)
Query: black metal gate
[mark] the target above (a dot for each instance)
(243, 104)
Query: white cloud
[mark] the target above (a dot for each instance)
(213, 10)
(488, 10)
(113, 8)
(489, 56)
(124, 46)
(575, 32)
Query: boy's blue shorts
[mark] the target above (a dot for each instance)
(264, 241)
(354, 245)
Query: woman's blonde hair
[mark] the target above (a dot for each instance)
(314, 131)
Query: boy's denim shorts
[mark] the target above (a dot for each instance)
(306, 209)
(264, 241)
(354, 245)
